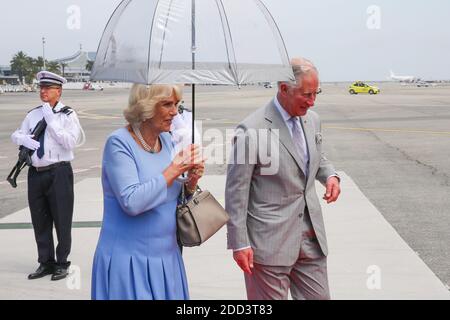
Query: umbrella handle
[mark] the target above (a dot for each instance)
(193, 113)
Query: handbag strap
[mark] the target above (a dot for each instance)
(183, 193)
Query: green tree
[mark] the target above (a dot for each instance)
(36, 66)
(63, 68)
(27, 67)
(54, 67)
(21, 64)
(89, 65)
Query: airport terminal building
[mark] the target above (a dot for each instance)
(74, 68)
(6, 76)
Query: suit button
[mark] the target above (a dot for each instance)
(300, 215)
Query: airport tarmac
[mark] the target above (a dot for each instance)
(394, 147)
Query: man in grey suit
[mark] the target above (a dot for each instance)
(276, 228)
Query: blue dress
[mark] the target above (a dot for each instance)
(137, 255)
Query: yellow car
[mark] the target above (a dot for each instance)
(361, 87)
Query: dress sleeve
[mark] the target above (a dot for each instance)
(135, 197)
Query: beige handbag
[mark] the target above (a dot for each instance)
(199, 218)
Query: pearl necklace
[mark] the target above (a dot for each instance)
(146, 147)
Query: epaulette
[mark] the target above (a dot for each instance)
(34, 109)
(66, 110)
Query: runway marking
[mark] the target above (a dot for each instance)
(89, 149)
(85, 114)
(226, 122)
(389, 130)
(7, 183)
(81, 224)
(377, 104)
(75, 171)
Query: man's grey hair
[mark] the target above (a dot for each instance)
(301, 67)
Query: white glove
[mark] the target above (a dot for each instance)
(27, 141)
(48, 113)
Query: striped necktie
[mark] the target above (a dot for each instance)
(298, 138)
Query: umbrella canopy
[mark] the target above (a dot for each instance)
(228, 42)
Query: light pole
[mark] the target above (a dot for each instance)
(43, 50)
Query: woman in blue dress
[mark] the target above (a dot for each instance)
(137, 255)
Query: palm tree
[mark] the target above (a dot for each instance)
(36, 66)
(54, 67)
(89, 65)
(21, 65)
(63, 67)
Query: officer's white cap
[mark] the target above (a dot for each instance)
(47, 78)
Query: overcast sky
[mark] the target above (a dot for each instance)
(347, 39)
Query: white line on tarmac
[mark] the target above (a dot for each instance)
(85, 114)
(89, 149)
(7, 183)
(389, 130)
(75, 171)
(394, 105)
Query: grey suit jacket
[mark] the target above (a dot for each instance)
(266, 208)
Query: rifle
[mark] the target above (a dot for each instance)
(25, 154)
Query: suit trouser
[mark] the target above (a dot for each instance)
(307, 278)
(51, 198)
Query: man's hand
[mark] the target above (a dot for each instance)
(332, 190)
(48, 113)
(28, 142)
(244, 259)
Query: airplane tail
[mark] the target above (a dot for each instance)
(392, 73)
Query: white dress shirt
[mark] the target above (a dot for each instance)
(62, 135)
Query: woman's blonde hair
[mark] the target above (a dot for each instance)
(143, 99)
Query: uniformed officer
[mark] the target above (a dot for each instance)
(50, 178)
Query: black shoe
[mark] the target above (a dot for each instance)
(42, 271)
(59, 273)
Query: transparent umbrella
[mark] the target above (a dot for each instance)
(227, 42)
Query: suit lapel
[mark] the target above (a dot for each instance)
(275, 121)
(308, 129)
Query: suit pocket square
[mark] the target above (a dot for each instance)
(318, 138)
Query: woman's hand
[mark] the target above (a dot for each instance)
(183, 161)
(194, 175)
